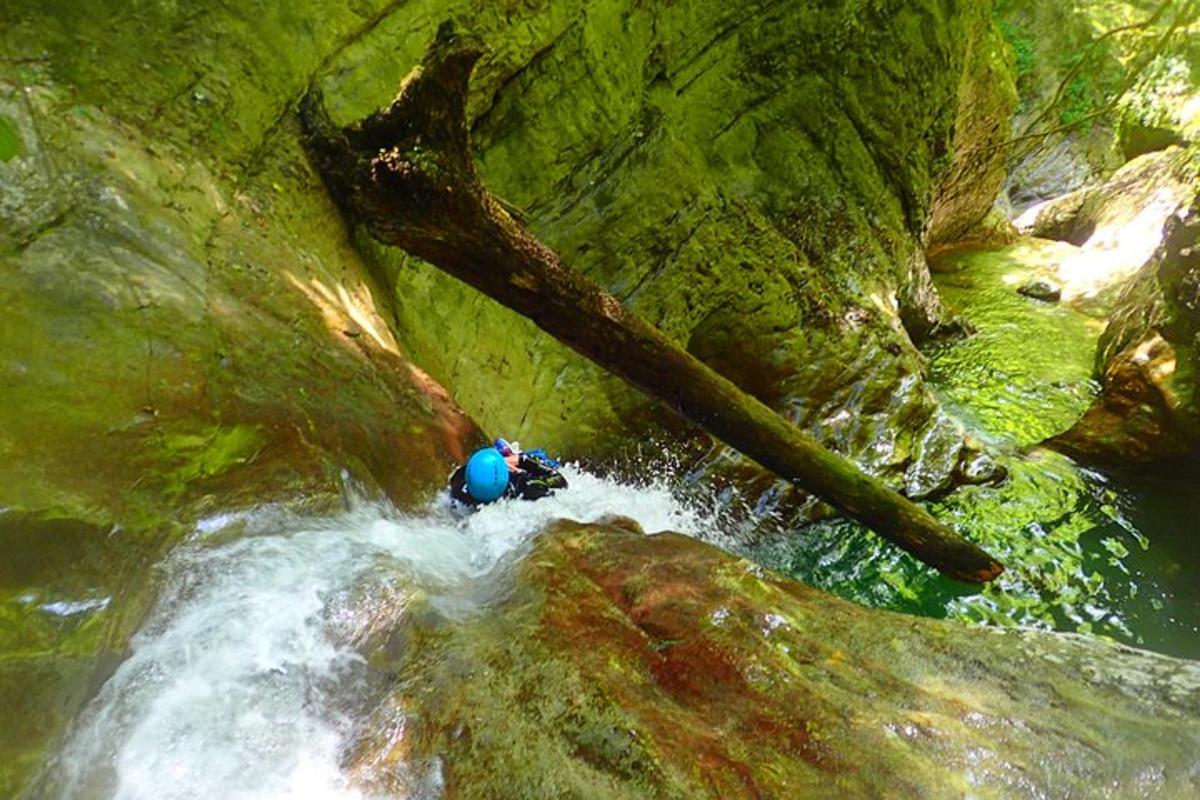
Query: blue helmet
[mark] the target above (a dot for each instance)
(487, 475)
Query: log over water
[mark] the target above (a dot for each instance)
(407, 173)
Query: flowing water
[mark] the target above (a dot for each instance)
(248, 677)
(1086, 551)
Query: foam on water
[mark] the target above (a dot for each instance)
(243, 682)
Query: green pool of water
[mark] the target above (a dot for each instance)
(1086, 552)
(1026, 373)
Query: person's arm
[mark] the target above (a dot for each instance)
(458, 486)
(541, 477)
(533, 466)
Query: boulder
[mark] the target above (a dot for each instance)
(624, 666)
(1149, 360)
(1118, 225)
(1163, 109)
(1041, 289)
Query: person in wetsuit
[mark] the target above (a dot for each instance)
(504, 471)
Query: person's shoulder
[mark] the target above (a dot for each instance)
(458, 486)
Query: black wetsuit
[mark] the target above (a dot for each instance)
(533, 480)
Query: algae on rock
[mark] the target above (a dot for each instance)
(187, 329)
(407, 174)
(188, 325)
(626, 665)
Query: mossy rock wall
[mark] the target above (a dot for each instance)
(753, 179)
(987, 98)
(186, 329)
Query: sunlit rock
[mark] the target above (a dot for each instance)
(1117, 225)
(1149, 360)
(1164, 108)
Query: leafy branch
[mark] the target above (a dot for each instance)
(1030, 140)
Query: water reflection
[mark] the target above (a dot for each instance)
(1086, 552)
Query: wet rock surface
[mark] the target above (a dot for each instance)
(1041, 289)
(1148, 360)
(625, 665)
(1117, 224)
(690, 178)
(181, 335)
(188, 327)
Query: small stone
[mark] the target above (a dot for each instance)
(981, 468)
(1042, 289)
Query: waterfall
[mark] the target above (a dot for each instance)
(245, 680)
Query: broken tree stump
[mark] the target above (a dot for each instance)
(407, 174)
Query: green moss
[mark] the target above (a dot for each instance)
(1079, 101)
(10, 139)
(211, 452)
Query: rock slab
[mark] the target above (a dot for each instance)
(624, 665)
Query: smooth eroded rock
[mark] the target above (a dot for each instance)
(1149, 360)
(1041, 289)
(626, 665)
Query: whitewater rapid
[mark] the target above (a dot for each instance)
(246, 680)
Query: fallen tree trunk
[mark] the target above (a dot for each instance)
(407, 173)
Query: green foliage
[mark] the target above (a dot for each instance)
(1022, 46)
(1089, 91)
(1079, 101)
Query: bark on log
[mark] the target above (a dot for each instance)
(407, 173)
